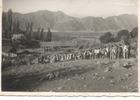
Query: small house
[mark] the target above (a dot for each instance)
(17, 36)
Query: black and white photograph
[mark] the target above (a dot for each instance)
(69, 46)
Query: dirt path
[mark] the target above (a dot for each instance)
(75, 76)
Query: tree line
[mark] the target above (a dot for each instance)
(122, 35)
(11, 26)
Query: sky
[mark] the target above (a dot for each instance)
(76, 8)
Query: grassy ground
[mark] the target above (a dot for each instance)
(102, 75)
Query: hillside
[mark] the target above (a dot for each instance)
(59, 21)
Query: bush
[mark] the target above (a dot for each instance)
(123, 35)
(106, 38)
(134, 42)
(134, 33)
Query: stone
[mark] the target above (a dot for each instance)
(108, 69)
(59, 88)
(85, 86)
(112, 82)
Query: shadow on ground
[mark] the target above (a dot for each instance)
(26, 82)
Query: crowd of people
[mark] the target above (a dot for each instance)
(111, 52)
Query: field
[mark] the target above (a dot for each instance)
(94, 75)
(102, 75)
(65, 36)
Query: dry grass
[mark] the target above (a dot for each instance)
(102, 75)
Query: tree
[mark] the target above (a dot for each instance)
(134, 42)
(106, 38)
(7, 24)
(42, 35)
(49, 35)
(123, 35)
(10, 23)
(37, 34)
(134, 33)
(16, 27)
(29, 30)
(4, 25)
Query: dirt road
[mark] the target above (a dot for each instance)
(102, 75)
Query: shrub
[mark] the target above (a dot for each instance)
(123, 35)
(134, 33)
(106, 38)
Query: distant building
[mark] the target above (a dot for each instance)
(17, 36)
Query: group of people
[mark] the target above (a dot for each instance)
(111, 52)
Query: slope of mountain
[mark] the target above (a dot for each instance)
(62, 22)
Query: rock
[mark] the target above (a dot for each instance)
(98, 62)
(76, 75)
(50, 76)
(127, 65)
(83, 78)
(96, 74)
(112, 82)
(56, 74)
(134, 90)
(128, 75)
(92, 74)
(99, 78)
(108, 69)
(85, 86)
(41, 79)
(59, 88)
(51, 91)
(68, 79)
(116, 65)
(123, 79)
(110, 77)
(103, 77)
(94, 77)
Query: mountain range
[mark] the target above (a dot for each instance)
(59, 21)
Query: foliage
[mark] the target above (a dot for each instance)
(123, 35)
(29, 30)
(134, 41)
(7, 23)
(134, 33)
(42, 35)
(106, 38)
(49, 35)
(10, 23)
(130, 38)
(16, 27)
